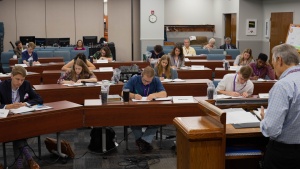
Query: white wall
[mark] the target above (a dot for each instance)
(151, 33)
(119, 27)
(49, 19)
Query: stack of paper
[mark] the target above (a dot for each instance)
(239, 115)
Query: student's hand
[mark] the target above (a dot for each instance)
(137, 97)
(235, 94)
(79, 81)
(15, 105)
(151, 97)
(173, 67)
(36, 62)
(245, 94)
(262, 113)
(161, 78)
(255, 77)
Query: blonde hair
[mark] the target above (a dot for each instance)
(85, 70)
(31, 45)
(168, 67)
(18, 70)
(249, 51)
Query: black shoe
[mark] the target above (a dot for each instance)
(143, 145)
(140, 143)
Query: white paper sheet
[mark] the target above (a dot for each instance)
(263, 95)
(183, 99)
(164, 98)
(144, 99)
(22, 109)
(3, 113)
(238, 115)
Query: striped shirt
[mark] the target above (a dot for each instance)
(282, 121)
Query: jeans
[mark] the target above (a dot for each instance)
(147, 135)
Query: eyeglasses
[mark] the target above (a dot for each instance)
(146, 81)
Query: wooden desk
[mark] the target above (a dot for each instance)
(220, 72)
(260, 87)
(64, 115)
(12, 61)
(117, 64)
(195, 74)
(212, 64)
(201, 140)
(45, 66)
(204, 57)
(136, 113)
(32, 77)
(51, 76)
(77, 94)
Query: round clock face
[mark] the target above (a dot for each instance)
(152, 18)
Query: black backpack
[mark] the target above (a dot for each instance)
(96, 139)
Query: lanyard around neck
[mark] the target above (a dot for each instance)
(234, 84)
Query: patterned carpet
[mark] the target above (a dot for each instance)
(119, 158)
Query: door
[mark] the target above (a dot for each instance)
(230, 27)
(280, 23)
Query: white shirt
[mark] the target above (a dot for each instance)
(229, 84)
(188, 52)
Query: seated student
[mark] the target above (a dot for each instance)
(244, 59)
(164, 70)
(145, 85)
(79, 73)
(68, 66)
(157, 52)
(227, 44)
(14, 93)
(211, 44)
(187, 49)
(79, 45)
(29, 54)
(237, 84)
(261, 68)
(177, 57)
(18, 49)
(103, 54)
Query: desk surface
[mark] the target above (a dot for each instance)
(45, 66)
(33, 77)
(77, 94)
(136, 113)
(12, 61)
(117, 64)
(64, 115)
(212, 64)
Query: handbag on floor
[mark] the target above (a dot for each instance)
(51, 144)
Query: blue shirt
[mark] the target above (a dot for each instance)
(26, 56)
(282, 119)
(135, 85)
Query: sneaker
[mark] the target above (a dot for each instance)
(33, 165)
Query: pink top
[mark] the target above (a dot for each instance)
(79, 48)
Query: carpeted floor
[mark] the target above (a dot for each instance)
(161, 156)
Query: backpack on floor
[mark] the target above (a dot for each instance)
(96, 139)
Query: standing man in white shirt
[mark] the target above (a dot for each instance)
(187, 50)
(237, 84)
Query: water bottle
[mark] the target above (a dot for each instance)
(211, 91)
(30, 60)
(226, 64)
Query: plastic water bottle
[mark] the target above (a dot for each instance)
(211, 91)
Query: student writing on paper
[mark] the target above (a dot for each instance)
(103, 54)
(261, 68)
(163, 70)
(68, 66)
(244, 59)
(177, 57)
(29, 54)
(282, 121)
(157, 52)
(15, 93)
(78, 74)
(187, 49)
(145, 85)
(237, 84)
